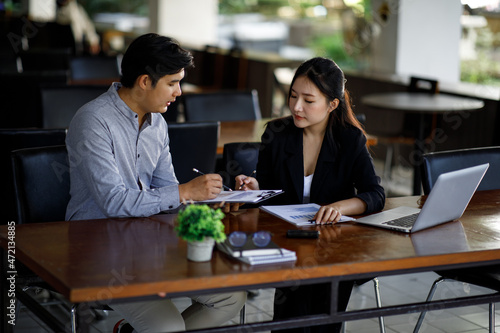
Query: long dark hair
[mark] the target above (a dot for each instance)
(328, 77)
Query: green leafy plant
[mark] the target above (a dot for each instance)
(195, 222)
(332, 46)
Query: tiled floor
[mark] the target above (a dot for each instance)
(394, 290)
(414, 288)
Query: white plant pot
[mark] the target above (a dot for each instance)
(200, 251)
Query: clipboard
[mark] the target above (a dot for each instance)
(250, 196)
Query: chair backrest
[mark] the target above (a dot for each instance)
(193, 145)
(230, 105)
(361, 117)
(20, 96)
(86, 68)
(46, 59)
(239, 158)
(420, 84)
(437, 163)
(41, 183)
(13, 139)
(60, 102)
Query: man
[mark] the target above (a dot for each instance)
(72, 13)
(120, 166)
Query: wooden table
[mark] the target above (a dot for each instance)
(251, 131)
(423, 104)
(128, 258)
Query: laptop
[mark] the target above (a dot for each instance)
(446, 202)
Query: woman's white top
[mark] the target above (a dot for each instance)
(307, 188)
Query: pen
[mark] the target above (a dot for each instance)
(201, 173)
(251, 175)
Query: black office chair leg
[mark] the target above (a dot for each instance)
(242, 315)
(73, 318)
(379, 304)
(492, 317)
(388, 162)
(38, 310)
(429, 298)
(431, 295)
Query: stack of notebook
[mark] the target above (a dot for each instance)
(253, 255)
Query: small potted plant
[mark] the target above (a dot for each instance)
(201, 227)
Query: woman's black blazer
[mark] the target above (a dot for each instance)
(344, 169)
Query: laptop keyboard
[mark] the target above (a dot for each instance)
(405, 221)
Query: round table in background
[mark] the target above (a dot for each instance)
(422, 104)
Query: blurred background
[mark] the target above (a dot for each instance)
(347, 31)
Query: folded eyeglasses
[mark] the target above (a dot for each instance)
(259, 238)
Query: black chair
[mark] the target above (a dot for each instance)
(87, 68)
(46, 59)
(239, 158)
(20, 96)
(193, 145)
(13, 139)
(60, 102)
(361, 117)
(229, 105)
(437, 163)
(41, 183)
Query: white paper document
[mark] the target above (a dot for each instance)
(300, 215)
(243, 196)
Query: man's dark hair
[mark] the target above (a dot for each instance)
(154, 55)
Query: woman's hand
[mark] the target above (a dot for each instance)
(328, 214)
(332, 213)
(244, 183)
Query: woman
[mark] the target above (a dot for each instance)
(317, 155)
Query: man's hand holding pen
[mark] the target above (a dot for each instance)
(206, 186)
(201, 188)
(201, 173)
